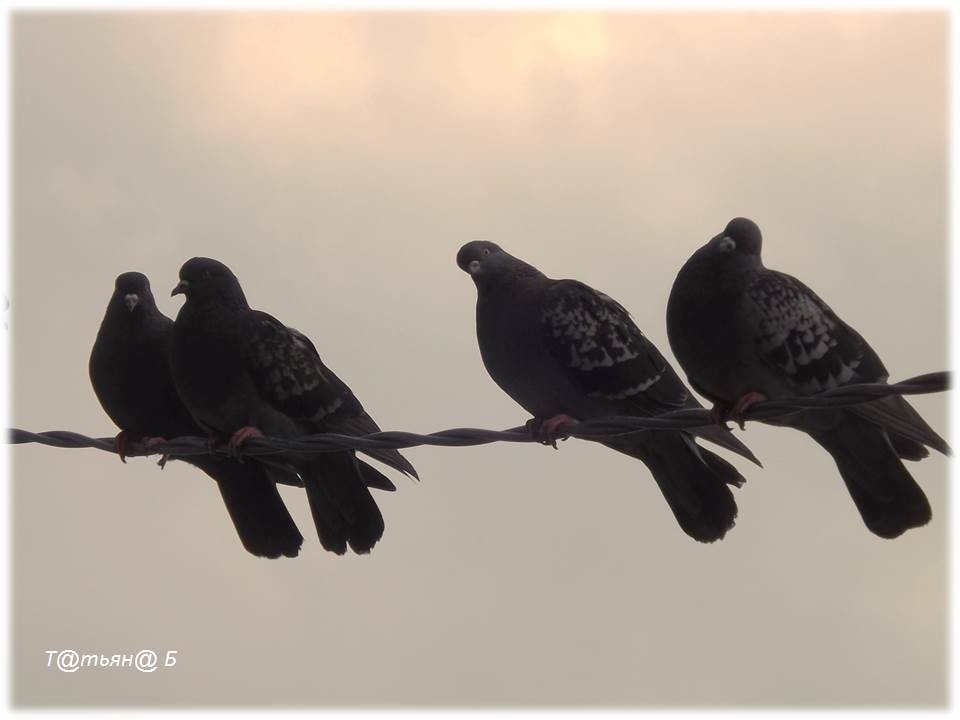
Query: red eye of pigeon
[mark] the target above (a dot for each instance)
(205, 275)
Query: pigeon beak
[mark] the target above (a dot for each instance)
(181, 288)
(131, 301)
(473, 267)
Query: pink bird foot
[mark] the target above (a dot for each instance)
(241, 436)
(151, 442)
(742, 405)
(552, 429)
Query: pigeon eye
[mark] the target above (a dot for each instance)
(486, 251)
(727, 244)
(205, 275)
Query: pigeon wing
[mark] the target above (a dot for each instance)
(798, 334)
(604, 353)
(290, 375)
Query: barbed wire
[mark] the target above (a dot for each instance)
(597, 430)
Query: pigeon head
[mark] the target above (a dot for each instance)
(203, 280)
(131, 291)
(487, 263)
(478, 255)
(736, 249)
(740, 237)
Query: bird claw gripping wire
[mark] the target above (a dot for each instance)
(548, 431)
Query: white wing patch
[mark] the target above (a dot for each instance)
(327, 410)
(624, 394)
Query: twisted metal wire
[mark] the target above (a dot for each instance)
(595, 430)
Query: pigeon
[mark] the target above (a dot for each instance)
(744, 333)
(242, 373)
(566, 352)
(130, 375)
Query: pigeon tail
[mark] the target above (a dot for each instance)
(908, 431)
(261, 519)
(888, 498)
(394, 459)
(694, 481)
(363, 424)
(373, 478)
(343, 509)
(907, 449)
(720, 435)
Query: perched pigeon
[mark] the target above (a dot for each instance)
(242, 373)
(566, 352)
(744, 333)
(131, 377)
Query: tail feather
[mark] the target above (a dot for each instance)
(343, 509)
(905, 425)
(394, 459)
(908, 449)
(694, 481)
(286, 475)
(888, 498)
(363, 424)
(373, 478)
(720, 435)
(721, 468)
(261, 519)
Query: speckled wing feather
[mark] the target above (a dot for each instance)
(291, 376)
(798, 333)
(289, 373)
(605, 353)
(607, 356)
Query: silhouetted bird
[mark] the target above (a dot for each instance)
(744, 333)
(242, 373)
(565, 351)
(130, 374)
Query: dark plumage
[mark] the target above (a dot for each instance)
(131, 377)
(743, 332)
(559, 347)
(241, 371)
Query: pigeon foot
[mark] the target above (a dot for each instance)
(240, 437)
(552, 429)
(151, 442)
(742, 405)
(120, 442)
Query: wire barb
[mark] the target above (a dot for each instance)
(596, 430)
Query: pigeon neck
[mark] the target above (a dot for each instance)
(231, 301)
(524, 271)
(236, 302)
(519, 275)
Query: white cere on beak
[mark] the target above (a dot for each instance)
(727, 244)
(131, 301)
(473, 267)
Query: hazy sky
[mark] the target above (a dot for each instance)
(336, 163)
